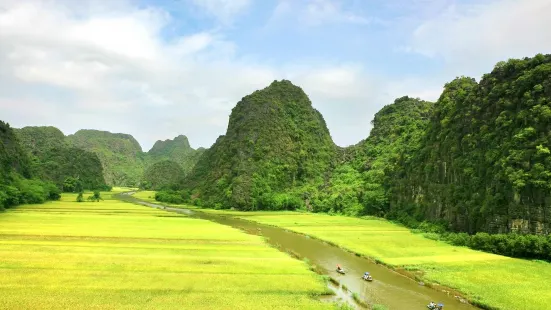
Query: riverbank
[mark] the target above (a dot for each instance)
(487, 280)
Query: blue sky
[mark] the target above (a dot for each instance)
(157, 69)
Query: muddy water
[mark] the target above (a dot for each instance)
(388, 287)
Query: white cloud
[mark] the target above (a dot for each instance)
(112, 70)
(473, 37)
(105, 65)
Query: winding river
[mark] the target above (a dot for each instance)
(389, 288)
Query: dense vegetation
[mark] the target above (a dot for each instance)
(513, 245)
(177, 150)
(38, 140)
(485, 163)
(120, 154)
(123, 161)
(16, 183)
(276, 146)
(162, 175)
(361, 181)
(68, 167)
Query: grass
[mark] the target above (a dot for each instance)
(146, 195)
(115, 255)
(486, 279)
(359, 301)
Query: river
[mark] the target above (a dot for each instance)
(389, 288)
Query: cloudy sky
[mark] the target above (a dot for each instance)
(156, 69)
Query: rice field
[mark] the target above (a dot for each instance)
(115, 255)
(487, 279)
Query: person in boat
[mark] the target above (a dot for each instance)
(339, 268)
(432, 305)
(440, 306)
(366, 275)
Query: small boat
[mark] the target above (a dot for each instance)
(367, 277)
(433, 306)
(341, 271)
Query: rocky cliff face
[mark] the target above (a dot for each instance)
(485, 162)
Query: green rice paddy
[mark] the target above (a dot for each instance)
(115, 255)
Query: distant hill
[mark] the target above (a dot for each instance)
(177, 150)
(164, 174)
(123, 160)
(276, 142)
(40, 139)
(54, 160)
(120, 154)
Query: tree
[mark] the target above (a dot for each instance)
(95, 197)
(80, 197)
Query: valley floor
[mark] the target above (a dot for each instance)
(486, 279)
(115, 255)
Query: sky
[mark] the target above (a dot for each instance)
(158, 69)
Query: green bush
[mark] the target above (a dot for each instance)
(12, 195)
(3, 199)
(32, 191)
(169, 197)
(54, 193)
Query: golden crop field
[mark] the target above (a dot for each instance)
(115, 255)
(488, 279)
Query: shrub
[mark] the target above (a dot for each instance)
(54, 193)
(3, 198)
(169, 196)
(32, 191)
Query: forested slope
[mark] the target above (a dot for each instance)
(120, 154)
(54, 160)
(361, 181)
(177, 150)
(485, 163)
(37, 140)
(276, 143)
(16, 185)
(164, 174)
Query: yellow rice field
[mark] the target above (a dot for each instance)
(115, 255)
